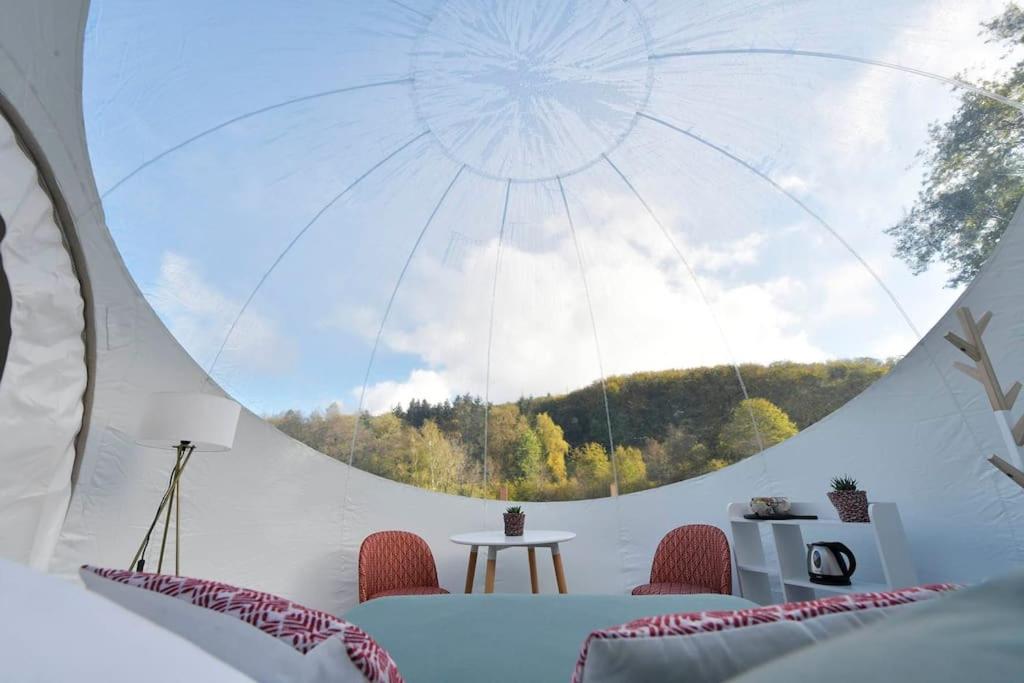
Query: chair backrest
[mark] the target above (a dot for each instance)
(696, 554)
(389, 560)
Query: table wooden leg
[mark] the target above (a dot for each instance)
(532, 556)
(471, 569)
(556, 559)
(492, 566)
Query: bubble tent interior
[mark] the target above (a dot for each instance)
(361, 204)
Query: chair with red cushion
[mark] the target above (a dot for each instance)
(690, 559)
(396, 563)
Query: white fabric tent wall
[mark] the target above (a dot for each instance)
(275, 515)
(44, 381)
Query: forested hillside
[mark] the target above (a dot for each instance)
(667, 426)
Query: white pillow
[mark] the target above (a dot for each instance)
(265, 636)
(706, 647)
(975, 635)
(54, 630)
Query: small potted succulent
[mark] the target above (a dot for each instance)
(515, 520)
(850, 502)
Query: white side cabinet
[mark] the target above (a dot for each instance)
(754, 572)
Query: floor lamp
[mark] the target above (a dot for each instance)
(186, 424)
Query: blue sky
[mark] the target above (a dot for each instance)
(524, 90)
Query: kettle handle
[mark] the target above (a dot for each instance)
(843, 550)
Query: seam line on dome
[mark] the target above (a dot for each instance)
(284, 252)
(490, 333)
(387, 309)
(838, 56)
(242, 117)
(803, 206)
(593, 326)
(703, 295)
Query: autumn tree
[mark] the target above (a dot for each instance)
(466, 419)
(591, 468)
(436, 462)
(754, 424)
(503, 430)
(678, 456)
(629, 463)
(525, 460)
(975, 176)
(553, 445)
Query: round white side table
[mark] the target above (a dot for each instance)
(496, 540)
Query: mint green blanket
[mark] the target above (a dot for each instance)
(502, 637)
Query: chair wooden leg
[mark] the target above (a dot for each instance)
(556, 559)
(492, 566)
(471, 569)
(532, 556)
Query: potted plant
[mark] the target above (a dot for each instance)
(515, 520)
(850, 502)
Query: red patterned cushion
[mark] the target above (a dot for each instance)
(300, 627)
(703, 622)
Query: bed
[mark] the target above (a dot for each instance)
(509, 637)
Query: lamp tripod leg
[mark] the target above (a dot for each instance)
(167, 520)
(170, 498)
(163, 542)
(134, 566)
(137, 559)
(177, 525)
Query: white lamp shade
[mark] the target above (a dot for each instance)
(207, 422)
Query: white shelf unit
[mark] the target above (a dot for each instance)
(754, 572)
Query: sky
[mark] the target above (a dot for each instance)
(486, 213)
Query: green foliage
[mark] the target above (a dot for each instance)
(679, 456)
(554, 446)
(1008, 27)
(591, 468)
(668, 426)
(525, 462)
(651, 404)
(975, 176)
(514, 510)
(629, 462)
(844, 483)
(504, 428)
(753, 425)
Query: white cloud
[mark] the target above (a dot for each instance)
(422, 384)
(850, 292)
(199, 316)
(892, 345)
(794, 183)
(649, 314)
(739, 252)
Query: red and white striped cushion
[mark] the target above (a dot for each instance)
(694, 623)
(299, 627)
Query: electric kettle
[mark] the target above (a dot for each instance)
(826, 563)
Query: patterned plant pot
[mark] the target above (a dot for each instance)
(852, 506)
(514, 524)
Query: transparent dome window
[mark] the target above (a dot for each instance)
(546, 249)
